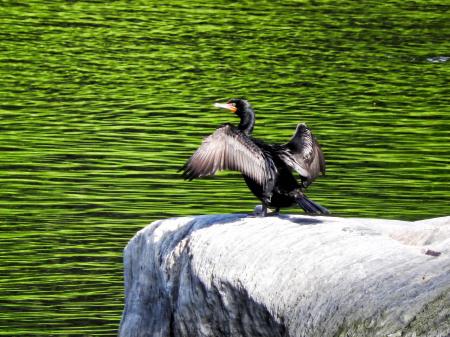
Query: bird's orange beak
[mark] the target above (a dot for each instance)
(227, 106)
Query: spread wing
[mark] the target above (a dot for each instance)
(229, 149)
(303, 154)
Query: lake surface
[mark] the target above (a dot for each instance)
(102, 102)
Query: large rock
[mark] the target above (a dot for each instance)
(235, 275)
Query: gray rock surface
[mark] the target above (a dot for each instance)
(236, 275)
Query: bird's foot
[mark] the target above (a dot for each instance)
(262, 211)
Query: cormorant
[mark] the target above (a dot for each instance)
(266, 168)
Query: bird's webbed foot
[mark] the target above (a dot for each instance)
(263, 211)
(260, 211)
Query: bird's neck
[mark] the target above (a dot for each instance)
(247, 122)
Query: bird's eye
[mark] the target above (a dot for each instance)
(233, 104)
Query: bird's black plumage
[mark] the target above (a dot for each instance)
(267, 169)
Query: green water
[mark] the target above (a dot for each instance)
(101, 103)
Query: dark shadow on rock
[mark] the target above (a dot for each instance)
(302, 220)
(219, 309)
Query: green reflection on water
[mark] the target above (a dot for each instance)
(101, 103)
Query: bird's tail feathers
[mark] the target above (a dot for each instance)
(310, 206)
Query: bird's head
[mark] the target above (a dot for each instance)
(239, 106)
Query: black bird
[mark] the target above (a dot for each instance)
(267, 169)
